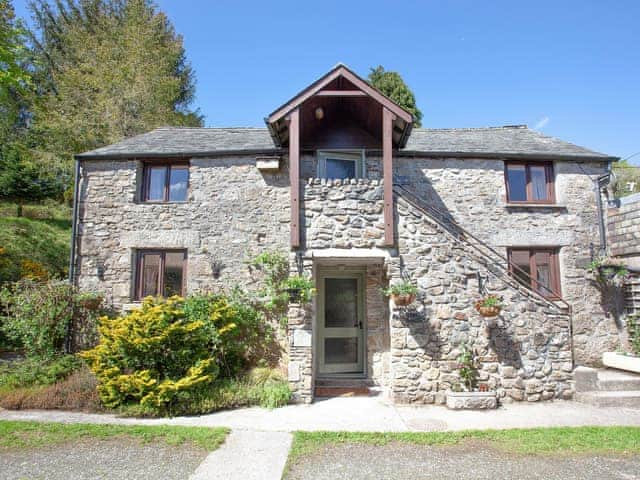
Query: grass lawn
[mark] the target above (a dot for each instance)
(19, 435)
(564, 440)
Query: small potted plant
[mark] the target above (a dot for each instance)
(402, 293)
(608, 271)
(489, 306)
(300, 289)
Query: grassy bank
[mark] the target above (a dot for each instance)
(564, 440)
(15, 435)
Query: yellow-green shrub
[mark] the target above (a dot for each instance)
(157, 355)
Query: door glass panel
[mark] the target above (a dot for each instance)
(520, 259)
(539, 182)
(543, 273)
(150, 274)
(178, 184)
(517, 180)
(340, 169)
(341, 350)
(341, 303)
(156, 183)
(174, 262)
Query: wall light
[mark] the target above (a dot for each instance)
(319, 113)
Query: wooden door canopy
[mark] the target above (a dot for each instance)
(351, 110)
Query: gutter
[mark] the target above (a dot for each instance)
(74, 221)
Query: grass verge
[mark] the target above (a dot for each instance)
(18, 434)
(531, 441)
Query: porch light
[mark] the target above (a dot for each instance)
(319, 113)
(100, 270)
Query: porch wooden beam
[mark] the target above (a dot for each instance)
(387, 172)
(341, 93)
(294, 175)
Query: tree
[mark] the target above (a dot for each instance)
(627, 178)
(108, 69)
(392, 85)
(13, 75)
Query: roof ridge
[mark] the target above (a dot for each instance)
(490, 127)
(209, 128)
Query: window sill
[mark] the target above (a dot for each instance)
(550, 206)
(181, 202)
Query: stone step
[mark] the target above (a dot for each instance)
(326, 392)
(343, 382)
(616, 380)
(626, 399)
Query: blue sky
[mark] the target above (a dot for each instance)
(569, 68)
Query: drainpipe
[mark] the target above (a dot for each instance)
(74, 223)
(598, 184)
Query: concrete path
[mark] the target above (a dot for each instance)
(371, 414)
(247, 455)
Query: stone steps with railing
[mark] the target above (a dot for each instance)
(607, 387)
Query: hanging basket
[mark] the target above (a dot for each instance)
(402, 300)
(488, 312)
(295, 294)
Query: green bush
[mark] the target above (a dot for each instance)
(36, 316)
(34, 372)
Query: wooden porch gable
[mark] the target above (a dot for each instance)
(340, 100)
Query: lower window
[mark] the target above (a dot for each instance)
(160, 273)
(536, 268)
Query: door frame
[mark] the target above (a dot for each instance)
(340, 271)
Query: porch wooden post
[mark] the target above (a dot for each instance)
(294, 175)
(387, 173)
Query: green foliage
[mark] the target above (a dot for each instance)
(392, 85)
(37, 315)
(468, 367)
(608, 271)
(633, 327)
(18, 434)
(490, 301)
(155, 356)
(627, 178)
(43, 240)
(401, 288)
(107, 69)
(35, 372)
(274, 301)
(299, 288)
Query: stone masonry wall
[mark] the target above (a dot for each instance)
(623, 229)
(233, 212)
(524, 354)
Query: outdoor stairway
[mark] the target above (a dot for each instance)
(607, 387)
(343, 387)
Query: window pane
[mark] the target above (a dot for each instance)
(341, 350)
(543, 273)
(340, 169)
(341, 303)
(517, 180)
(155, 189)
(150, 274)
(539, 182)
(173, 273)
(520, 259)
(178, 184)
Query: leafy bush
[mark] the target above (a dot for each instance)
(633, 327)
(401, 288)
(33, 372)
(37, 315)
(263, 387)
(157, 356)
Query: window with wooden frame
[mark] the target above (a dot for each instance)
(341, 165)
(537, 268)
(160, 273)
(165, 182)
(529, 182)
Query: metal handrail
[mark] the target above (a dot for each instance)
(453, 228)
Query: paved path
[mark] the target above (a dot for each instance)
(247, 455)
(370, 414)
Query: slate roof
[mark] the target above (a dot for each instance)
(510, 141)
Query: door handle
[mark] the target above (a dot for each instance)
(359, 325)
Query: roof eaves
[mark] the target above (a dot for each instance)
(197, 154)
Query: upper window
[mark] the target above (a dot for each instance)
(160, 273)
(341, 165)
(165, 182)
(537, 269)
(529, 182)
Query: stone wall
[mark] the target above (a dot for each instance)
(623, 229)
(233, 212)
(524, 354)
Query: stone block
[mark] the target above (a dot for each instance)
(471, 400)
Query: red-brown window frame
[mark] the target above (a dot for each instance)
(168, 165)
(139, 257)
(554, 269)
(549, 180)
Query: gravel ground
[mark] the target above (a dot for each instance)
(472, 461)
(112, 459)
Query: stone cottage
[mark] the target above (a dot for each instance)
(362, 200)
